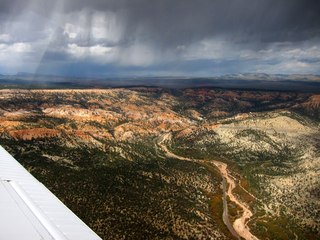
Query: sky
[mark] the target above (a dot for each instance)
(101, 38)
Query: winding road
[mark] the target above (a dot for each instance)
(240, 227)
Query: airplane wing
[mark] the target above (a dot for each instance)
(29, 211)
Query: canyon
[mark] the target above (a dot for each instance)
(173, 163)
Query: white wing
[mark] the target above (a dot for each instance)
(29, 211)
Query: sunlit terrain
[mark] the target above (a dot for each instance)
(144, 162)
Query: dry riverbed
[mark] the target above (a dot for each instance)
(240, 226)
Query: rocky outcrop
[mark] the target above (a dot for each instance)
(35, 133)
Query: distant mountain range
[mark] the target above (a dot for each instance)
(260, 81)
(273, 77)
(240, 76)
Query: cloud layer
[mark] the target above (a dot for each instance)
(167, 37)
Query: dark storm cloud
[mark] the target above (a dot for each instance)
(163, 31)
(170, 22)
(174, 22)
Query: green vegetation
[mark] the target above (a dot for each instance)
(113, 195)
(104, 163)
